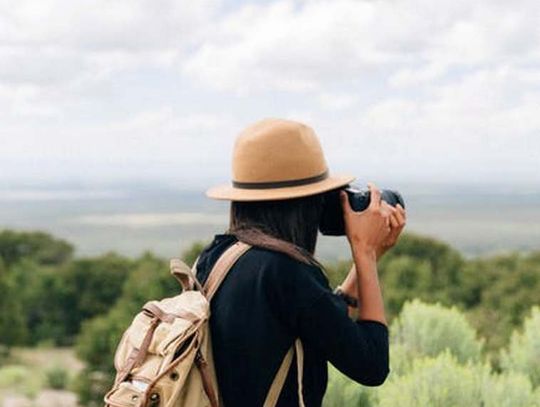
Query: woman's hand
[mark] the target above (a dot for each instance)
(370, 233)
(374, 230)
(398, 219)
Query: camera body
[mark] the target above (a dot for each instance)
(332, 223)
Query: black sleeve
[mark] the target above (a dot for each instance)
(305, 303)
(359, 349)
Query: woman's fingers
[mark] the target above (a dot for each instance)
(344, 198)
(385, 213)
(375, 196)
(401, 214)
(394, 221)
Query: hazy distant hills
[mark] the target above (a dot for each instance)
(131, 219)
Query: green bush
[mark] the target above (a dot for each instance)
(417, 267)
(39, 246)
(57, 378)
(90, 387)
(523, 353)
(53, 301)
(429, 329)
(342, 391)
(509, 390)
(4, 354)
(421, 267)
(444, 381)
(499, 292)
(12, 374)
(440, 381)
(12, 319)
(20, 379)
(400, 359)
(404, 276)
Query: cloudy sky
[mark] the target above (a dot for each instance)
(129, 90)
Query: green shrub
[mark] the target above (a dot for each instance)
(428, 329)
(40, 246)
(440, 381)
(509, 390)
(400, 359)
(500, 291)
(405, 277)
(12, 319)
(57, 378)
(342, 391)
(523, 353)
(12, 374)
(4, 354)
(421, 267)
(444, 381)
(91, 386)
(20, 379)
(417, 267)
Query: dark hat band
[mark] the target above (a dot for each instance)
(280, 184)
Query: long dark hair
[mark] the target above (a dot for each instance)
(289, 226)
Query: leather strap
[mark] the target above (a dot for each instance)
(184, 275)
(222, 267)
(279, 380)
(300, 369)
(137, 355)
(151, 308)
(214, 280)
(202, 364)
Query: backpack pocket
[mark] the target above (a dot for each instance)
(126, 394)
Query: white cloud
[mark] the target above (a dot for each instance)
(337, 101)
(50, 42)
(477, 128)
(302, 46)
(414, 87)
(59, 54)
(104, 25)
(288, 46)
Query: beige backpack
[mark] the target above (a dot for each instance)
(165, 356)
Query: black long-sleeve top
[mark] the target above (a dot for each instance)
(266, 301)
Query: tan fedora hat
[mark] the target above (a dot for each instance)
(276, 159)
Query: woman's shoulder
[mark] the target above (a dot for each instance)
(277, 266)
(284, 279)
(282, 261)
(286, 276)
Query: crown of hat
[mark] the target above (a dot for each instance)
(277, 150)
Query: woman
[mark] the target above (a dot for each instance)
(277, 291)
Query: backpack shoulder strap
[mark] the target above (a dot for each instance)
(186, 277)
(214, 280)
(279, 380)
(222, 267)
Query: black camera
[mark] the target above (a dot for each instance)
(332, 223)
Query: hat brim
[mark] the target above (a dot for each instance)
(231, 193)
